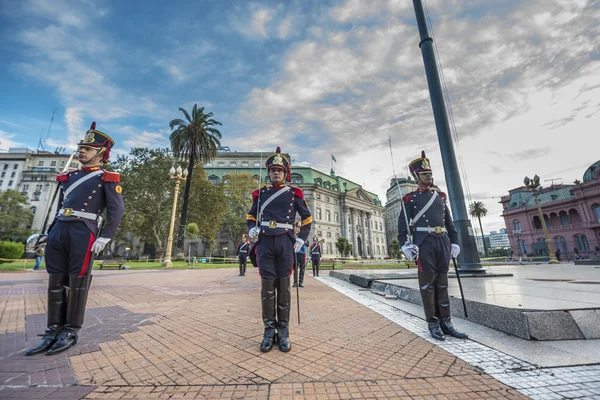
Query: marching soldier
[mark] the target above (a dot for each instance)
(242, 254)
(301, 257)
(270, 222)
(315, 255)
(73, 238)
(435, 240)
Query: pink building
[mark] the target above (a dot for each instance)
(571, 212)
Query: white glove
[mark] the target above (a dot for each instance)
(36, 241)
(99, 245)
(298, 245)
(454, 250)
(253, 233)
(411, 251)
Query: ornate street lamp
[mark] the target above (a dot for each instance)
(534, 185)
(177, 175)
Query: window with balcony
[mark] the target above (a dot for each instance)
(582, 242)
(40, 163)
(53, 163)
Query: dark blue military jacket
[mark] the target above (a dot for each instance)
(93, 191)
(437, 215)
(243, 249)
(281, 210)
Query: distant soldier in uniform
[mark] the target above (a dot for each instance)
(242, 254)
(315, 255)
(301, 258)
(74, 236)
(270, 222)
(435, 240)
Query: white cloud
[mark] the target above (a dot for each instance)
(7, 140)
(514, 86)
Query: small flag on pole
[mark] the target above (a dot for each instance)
(333, 158)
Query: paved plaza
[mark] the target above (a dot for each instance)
(195, 334)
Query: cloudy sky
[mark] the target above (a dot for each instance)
(316, 77)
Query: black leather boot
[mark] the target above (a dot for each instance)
(284, 297)
(57, 309)
(449, 329)
(240, 270)
(244, 270)
(301, 279)
(67, 338)
(267, 294)
(436, 331)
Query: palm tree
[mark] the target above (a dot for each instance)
(477, 210)
(194, 139)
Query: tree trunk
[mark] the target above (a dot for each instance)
(184, 207)
(482, 238)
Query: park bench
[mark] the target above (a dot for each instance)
(112, 264)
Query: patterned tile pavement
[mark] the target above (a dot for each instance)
(195, 334)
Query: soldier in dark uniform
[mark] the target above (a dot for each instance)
(242, 254)
(270, 222)
(301, 258)
(435, 240)
(315, 255)
(74, 236)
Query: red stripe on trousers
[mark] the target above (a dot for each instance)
(419, 264)
(88, 255)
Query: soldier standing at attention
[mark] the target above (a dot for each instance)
(74, 236)
(435, 240)
(242, 254)
(315, 255)
(271, 223)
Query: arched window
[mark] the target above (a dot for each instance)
(213, 179)
(537, 222)
(318, 213)
(596, 208)
(564, 218)
(574, 217)
(547, 221)
(327, 215)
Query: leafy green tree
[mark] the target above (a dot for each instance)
(207, 207)
(477, 210)
(196, 140)
(15, 216)
(239, 188)
(147, 194)
(343, 246)
(395, 248)
(11, 250)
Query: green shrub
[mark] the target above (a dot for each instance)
(10, 250)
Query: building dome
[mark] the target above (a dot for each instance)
(592, 172)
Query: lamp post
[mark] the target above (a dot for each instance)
(534, 185)
(517, 233)
(177, 175)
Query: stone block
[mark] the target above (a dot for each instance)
(552, 325)
(588, 322)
